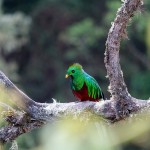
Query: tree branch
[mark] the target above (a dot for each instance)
(117, 31)
(120, 105)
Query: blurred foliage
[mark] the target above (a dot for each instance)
(83, 35)
(95, 135)
(39, 39)
(148, 37)
(141, 89)
(14, 31)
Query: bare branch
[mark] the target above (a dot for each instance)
(18, 97)
(18, 125)
(117, 86)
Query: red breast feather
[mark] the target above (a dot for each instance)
(82, 94)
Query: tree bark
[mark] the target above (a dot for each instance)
(120, 105)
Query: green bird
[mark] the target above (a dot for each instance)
(84, 86)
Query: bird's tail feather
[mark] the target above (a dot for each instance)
(103, 97)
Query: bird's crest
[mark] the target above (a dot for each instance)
(77, 65)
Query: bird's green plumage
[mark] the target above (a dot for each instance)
(80, 77)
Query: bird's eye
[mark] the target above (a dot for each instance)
(73, 71)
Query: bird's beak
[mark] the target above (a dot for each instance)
(66, 76)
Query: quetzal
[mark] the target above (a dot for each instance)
(83, 86)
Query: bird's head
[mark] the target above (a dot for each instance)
(74, 70)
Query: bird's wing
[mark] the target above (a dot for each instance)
(94, 89)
